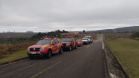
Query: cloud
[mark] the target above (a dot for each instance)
(49, 15)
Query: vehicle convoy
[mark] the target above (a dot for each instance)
(69, 43)
(45, 47)
(79, 42)
(85, 40)
(90, 39)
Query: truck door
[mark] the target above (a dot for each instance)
(54, 46)
(58, 45)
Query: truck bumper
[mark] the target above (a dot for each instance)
(35, 54)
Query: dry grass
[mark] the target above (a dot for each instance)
(8, 48)
(127, 52)
(116, 36)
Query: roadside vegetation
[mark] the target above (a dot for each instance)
(126, 48)
(14, 56)
(8, 47)
(135, 35)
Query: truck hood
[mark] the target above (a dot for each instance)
(38, 46)
(78, 42)
(84, 40)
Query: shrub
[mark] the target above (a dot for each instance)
(135, 34)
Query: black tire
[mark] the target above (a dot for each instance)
(70, 48)
(49, 54)
(61, 51)
(31, 57)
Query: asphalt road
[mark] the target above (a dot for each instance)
(84, 62)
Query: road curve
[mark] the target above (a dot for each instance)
(84, 62)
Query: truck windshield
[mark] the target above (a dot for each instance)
(65, 40)
(78, 40)
(43, 42)
(84, 38)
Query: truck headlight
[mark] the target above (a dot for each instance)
(28, 49)
(41, 49)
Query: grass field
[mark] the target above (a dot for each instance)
(127, 52)
(16, 55)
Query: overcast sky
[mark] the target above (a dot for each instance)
(70, 15)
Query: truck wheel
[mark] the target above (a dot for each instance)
(31, 57)
(61, 51)
(49, 54)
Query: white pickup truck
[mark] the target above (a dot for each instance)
(85, 40)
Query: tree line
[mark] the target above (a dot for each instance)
(135, 34)
(56, 33)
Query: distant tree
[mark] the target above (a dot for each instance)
(65, 31)
(83, 31)
(55, 34)
(135, 34)
(38, 36)
(58, 31)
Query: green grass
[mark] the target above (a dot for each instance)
(127, 52)
(16, 55)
